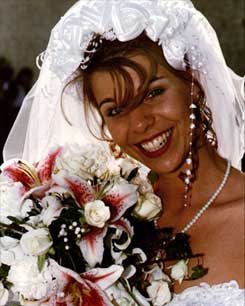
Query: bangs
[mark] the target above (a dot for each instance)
(126, 95)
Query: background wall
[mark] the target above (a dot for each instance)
(25, 26)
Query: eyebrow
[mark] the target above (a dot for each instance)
(156, 79)
(111, 100)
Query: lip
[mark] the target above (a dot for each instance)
(159, 152)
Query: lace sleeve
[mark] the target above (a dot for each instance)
(226, 294)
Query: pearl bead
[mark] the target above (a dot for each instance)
(210, 201)
(193, 105)
(188, 161)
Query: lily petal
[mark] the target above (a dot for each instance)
(45, 167)
(120, 198)
(129, 272)
(104, 277)
(123, 225)
(92, 246)
(83, 192)
(16, 170)
(36, 192)
(77, 290)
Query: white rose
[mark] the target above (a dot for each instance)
(10, 201)
(179, 270)
(10, 250)
(4, 295)
(148, 206)
(70, 159)
(52, 209)
(28, 281)
(159, 293)
(36, 242)
(83, 161)
(96, 213)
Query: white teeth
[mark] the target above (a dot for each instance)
(157, 143)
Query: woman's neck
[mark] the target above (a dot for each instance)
(170, 187)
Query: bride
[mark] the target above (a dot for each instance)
(149, 77)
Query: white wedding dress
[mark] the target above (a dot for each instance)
(226, 294)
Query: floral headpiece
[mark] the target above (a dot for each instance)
(164, 22)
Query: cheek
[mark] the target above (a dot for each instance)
(174, 106)
(118, 130)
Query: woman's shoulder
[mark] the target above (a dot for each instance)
(225, 294)
(234, 193)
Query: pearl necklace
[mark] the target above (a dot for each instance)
(208, 203)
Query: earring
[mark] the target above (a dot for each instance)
(116, 151)
(188, 176)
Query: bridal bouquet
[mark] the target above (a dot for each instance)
(67, 231)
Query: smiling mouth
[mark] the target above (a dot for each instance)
(157, 145)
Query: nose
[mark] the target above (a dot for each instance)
(141, 119)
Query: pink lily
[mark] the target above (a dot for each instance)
(85, 289)
(16, 170)
(45, 167)
(122, 196)
(82, 191)
(20, 171)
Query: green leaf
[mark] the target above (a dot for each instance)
(152, 177)
(132, 174)
(7, 284)
(51, 251)
(198, 272)
(4, 270)
(15, 220)
(41, 262)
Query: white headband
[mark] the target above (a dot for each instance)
(174, 24)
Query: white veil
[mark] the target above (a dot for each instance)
(175, 24)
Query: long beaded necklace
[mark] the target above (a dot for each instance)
(207, 204)
(175, 247)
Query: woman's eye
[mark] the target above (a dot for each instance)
(154, 93)
(111, 112)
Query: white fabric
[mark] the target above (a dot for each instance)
(177, 26)
(226, 294)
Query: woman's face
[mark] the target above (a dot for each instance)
(156, 132)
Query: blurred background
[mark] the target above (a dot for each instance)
(25, 28)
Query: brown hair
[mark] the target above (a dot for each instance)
(113, 57)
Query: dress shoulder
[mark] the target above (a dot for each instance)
(225, 294)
